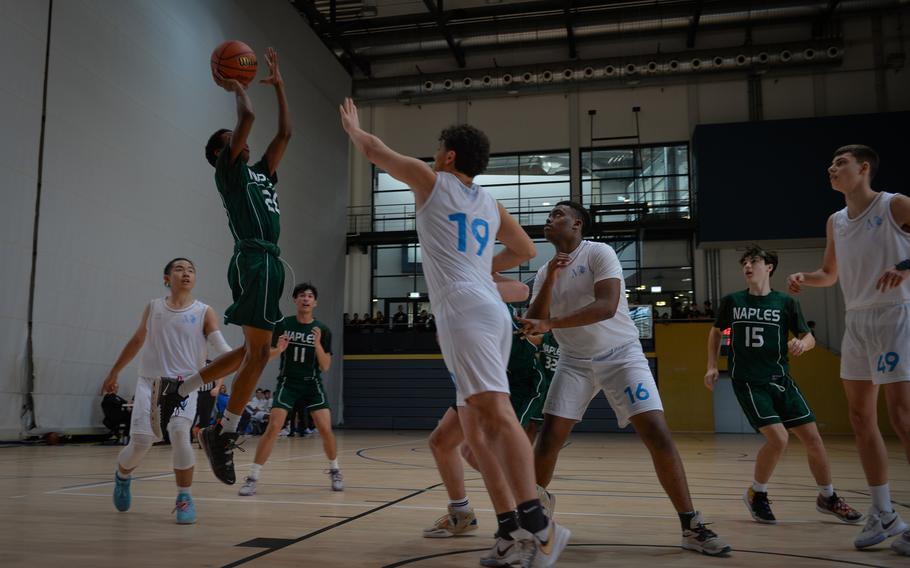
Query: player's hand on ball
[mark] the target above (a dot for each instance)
(349, 119)
(110, 384)
(534, 326)
(796, 347)
(795, 282)
(271, 58)
(283, 342)
(711, 379)
(892, 278)
(229, 85)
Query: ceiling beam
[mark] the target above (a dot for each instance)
(693, 25)
(330, 35)
(570, 28)
(439, 15)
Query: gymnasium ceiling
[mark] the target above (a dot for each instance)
(403, 48)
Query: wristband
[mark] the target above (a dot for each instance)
(903, 265)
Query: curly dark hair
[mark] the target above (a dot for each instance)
(471, 147)
(755, 251)
(215, 143)
(303, 287)
(580, 213)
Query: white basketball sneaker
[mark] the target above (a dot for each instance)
(879, 526)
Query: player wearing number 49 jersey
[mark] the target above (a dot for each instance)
(761, 321)
(579, 295)
(457, 224)
(868, 250)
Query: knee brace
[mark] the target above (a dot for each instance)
(181, 447)
(131, 456)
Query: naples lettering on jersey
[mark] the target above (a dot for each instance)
(756, 314)
(301, 337)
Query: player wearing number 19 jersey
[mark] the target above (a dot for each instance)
(761, 320)
(457, 224)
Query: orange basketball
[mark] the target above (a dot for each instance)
(235, 60)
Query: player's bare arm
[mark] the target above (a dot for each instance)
(824, 276)
(323, 359)
(510, 290)
(714, 339)
(283, 342)
(519, 247)
(129, 352)
(279, 143)
(894, 276)
(245, 116)
(606, 301)
(416, 174)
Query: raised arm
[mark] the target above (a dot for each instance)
(279, 143)
(129, 352)
(519, 247)
(824, 276)
(540, 307)
(415, 173)
(245, 116)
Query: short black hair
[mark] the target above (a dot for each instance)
(756, 251)
(580, 213)
(215, 143)
(862, 154)
(303, 287)
(471, 147)
(169, 266)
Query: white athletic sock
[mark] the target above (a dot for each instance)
(190, 384)
(333, 464)
(826, 490)
(460, 505)
(183, 490)
(759, 487)
(255, 470)
(229, 421)
(881, 497)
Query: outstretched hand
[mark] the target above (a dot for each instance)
(534, 326)
(229, 85)
(274, 78)
(891, 278)
(349, 119)
(795, 282)
(283, 342)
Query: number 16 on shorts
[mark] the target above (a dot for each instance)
(641, 393)
(887, 362)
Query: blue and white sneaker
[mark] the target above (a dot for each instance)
(122, 496)
(879, 526)
(185, 509)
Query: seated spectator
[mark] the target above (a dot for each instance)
(379, 320)
(431, 322)
(708, 313)
(420, 321)
(355, 320)
(400, 319)
(346, 319)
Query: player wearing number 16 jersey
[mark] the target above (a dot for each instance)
(761, 320)
(457, 224)
(580, 295)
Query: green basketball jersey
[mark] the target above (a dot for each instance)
(523, 356)
(299, 360)
(549, 354)
(249, 197)
(760, 328)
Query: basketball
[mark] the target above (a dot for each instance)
(235, 60)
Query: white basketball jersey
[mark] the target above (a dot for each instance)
(175, 340)
(867, 246)
(457, 228)
(574, 289)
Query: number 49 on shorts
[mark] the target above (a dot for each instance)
(641, 393)
(887, 362)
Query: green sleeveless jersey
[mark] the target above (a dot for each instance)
(249, 197)
(523, 356)
(299, 360)
(549, 354)
(760, 328)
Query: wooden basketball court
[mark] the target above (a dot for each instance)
(57, 508)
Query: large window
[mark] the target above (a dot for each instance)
(627, 183)
(526, 184)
